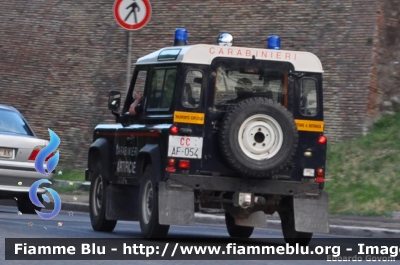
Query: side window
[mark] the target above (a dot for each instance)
(192, 91)
(162, 89)
(140, 82)
(139, 86)
(308, 97)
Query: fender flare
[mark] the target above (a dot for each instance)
(99, 148)
(150, 153)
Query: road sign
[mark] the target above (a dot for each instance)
(132, 14)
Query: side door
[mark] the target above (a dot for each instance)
(159, 105)
(126, 143)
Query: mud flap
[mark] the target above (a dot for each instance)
(122, 202)
(256, 219)
(311, 213)
(175, 204)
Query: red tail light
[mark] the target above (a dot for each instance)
(319, 179)
(36, 151)
(174, 129)
(47, 158)
(171, 166)
(320, 176)
(184, 164)
(322, 139)
(170, 169)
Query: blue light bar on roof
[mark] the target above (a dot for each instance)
(274, 42)
(180, 37)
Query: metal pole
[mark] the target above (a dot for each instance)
(128, 66)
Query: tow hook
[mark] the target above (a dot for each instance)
(243, 200)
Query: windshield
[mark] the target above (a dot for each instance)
(235, 82)
(11, 121)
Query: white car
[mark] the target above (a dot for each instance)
(19, 147)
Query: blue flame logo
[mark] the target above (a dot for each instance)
(35, 200)
(45, 152)
(50, 166)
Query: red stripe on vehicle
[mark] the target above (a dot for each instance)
(151, 134)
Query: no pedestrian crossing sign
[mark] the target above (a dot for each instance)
(132, 14)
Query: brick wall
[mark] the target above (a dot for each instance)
(59, 59)
(385, 76)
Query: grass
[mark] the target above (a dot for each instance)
(363, 175)
(71, 175)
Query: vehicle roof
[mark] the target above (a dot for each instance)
(6, 107)
(2, 106)
(205, 54)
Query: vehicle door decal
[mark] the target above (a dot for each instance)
(309, 125)
(189, 117)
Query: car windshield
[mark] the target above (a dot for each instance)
(11, 121)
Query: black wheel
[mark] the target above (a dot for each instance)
(258, 137)
(26, 206)
(149, 207)
(290, 234)
(236, 230)
(97, 201)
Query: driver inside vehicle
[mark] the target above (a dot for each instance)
(137, 106)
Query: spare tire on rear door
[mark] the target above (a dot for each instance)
(258, 137)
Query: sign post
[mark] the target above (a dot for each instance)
(131, 15)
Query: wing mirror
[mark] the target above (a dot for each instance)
(114, 100)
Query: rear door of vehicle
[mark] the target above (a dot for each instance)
(308, 115)
(125, 144)
(268, 79)
(186, 145)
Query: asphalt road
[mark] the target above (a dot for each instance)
(77, 225)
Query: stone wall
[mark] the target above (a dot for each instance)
(59, 59)
(385, 78)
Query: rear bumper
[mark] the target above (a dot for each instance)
(17, 177)
(229, 184)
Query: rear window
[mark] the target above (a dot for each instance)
(192, 91)
(236, 81)
(12, 122)
(308, 97)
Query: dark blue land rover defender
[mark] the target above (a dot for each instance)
(223, 129)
